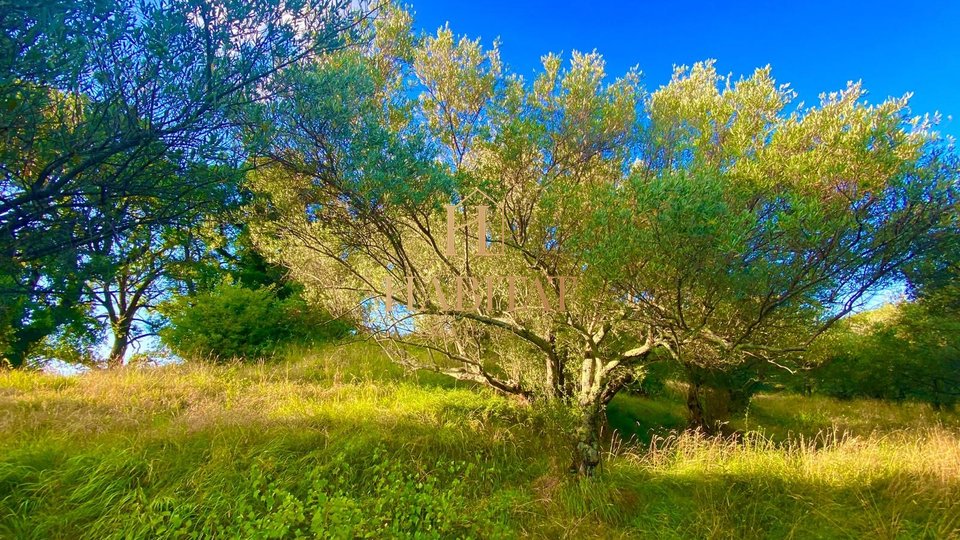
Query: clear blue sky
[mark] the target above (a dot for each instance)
(893, 47)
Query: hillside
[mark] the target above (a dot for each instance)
(338, 443)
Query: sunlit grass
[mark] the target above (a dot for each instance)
(339, 442)
(782, 414)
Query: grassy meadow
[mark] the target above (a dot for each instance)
(338, 443)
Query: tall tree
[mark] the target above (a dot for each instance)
(595, 213)
(99, 94)
(743, 232)
(358, 185)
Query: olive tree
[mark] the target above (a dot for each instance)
(545, 237)
(745, 230)
(433, 196)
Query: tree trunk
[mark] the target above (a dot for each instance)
(554, 384)
(597, 387)
(587, 452)
(121, 340)
(696, 420)
(739, 401)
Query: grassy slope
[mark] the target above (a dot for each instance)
(340, 444)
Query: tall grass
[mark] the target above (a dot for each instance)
(339, 443)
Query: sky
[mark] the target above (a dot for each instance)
(893, 47)
(816, 47)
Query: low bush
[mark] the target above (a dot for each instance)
(232, 321)
(901, 352)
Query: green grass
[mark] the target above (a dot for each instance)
(339, 443)
(639, 420)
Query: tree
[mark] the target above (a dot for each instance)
(132, 270)
(902, 351)
(96, 96)
(743, 232)
(595, 214)
(359, 185)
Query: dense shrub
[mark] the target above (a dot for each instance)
(896, 352)
(232, 321)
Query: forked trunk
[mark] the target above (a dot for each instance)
(121, 341)
(598, 388)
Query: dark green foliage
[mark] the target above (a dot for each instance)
(110, 114)
(655, 378)
(902, 352)
(724, 392)
(232, 322)
(251, 269)
(26, 320)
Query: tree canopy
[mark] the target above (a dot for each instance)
(707, 219)
(112, 114)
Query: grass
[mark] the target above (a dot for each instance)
(338, 443)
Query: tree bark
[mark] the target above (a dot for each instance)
(121, 341)
(696, 420)
(553, 386)
(593, 406)
(587, 451)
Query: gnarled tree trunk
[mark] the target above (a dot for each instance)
(600, 382)
(696, 418)
(587, 450)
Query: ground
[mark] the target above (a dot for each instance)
(337, 443)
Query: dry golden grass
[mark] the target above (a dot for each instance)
(339, 442)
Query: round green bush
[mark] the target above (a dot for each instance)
(235, 322)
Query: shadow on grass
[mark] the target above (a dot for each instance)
(639, 419)
(631, 501)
